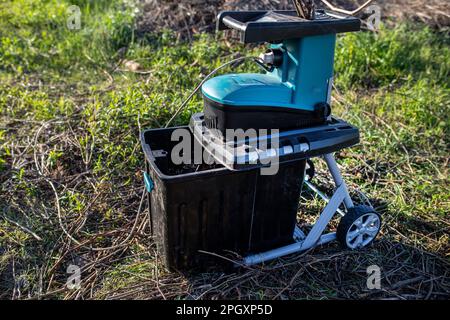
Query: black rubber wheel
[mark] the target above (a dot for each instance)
(359, 227)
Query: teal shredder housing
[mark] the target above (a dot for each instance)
(302, 81)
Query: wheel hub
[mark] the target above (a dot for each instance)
(363, 230)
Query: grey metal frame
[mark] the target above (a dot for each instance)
(315, 237)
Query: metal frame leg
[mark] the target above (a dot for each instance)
(337, 177)
(315, 236)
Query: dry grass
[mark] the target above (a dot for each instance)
(409, 273)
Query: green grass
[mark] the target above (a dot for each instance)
(393, 57)
(35, 37)
(69, 108)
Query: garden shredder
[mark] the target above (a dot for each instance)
(224, 208)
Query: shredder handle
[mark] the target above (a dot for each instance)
(236, 19)
(233, 23)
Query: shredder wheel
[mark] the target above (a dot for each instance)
(359, 227)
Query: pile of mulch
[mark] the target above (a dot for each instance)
(193, 16)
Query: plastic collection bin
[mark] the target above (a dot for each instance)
(209, 208)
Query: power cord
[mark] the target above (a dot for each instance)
(257, 60)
